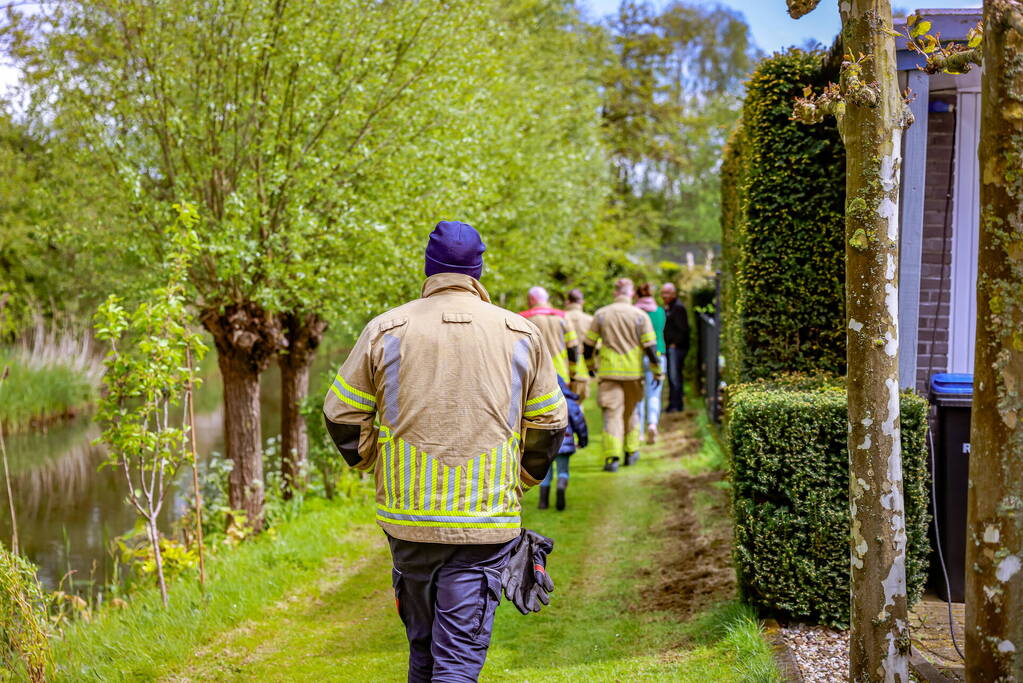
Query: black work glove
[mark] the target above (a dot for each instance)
(582, 441)
(525, 579)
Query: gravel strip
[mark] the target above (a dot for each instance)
(821, 653)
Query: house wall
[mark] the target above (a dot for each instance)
(936, 253)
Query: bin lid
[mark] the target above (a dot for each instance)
(956, 383)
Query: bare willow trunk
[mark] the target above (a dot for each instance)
(872, 130)
(246, 338)
(994, 550)
(304, 334)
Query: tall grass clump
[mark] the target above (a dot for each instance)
(24, 627)
(53, 373)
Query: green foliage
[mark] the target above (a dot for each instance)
(149, 371)
(670, 97)
(344, 132)
(790, 476)
(783, 229)
(731, 223)
(24, 630)
(42, 272)
(39, 391)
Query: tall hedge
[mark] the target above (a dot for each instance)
(790, 477)
(731, 215)
(784, 241)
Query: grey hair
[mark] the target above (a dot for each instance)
(539, 294)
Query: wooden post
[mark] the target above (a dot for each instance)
(195, 471)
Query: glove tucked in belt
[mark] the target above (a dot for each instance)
(525, 579)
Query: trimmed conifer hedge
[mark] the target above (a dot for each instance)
(790, 479)
(783, 207)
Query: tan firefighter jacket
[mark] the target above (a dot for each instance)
(623, 331)
(580, 322)
(443, 388)
(557, 334)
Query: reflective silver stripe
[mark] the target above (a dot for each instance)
(452, 493)
(520, 365)
(407, 475)
(537, 408)
(449, 519)
(386, 472)
(392, 377)
(431, 468)
(358, 398)
(498, 478)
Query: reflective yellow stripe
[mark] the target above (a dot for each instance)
(410, 485)
(482, 483)
(448, 524)
(544, 409)
(648, 337)
(541, 399)
(614, 364)
(351, 401)
(570, 337)
(592, 336)
(491, 482)
(444, 475)
(422, 483)
(355, 391)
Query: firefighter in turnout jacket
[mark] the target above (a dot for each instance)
(559, 336)
(625, 334)
(455, 406)
(580, 322)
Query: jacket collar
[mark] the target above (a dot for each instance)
(454, 283)
(573, 307)
(542, 310)
(623, 300)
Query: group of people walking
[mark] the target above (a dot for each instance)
(459, 406)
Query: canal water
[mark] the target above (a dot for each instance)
(69, 509)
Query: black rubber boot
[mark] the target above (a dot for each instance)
(545, 496)
(559, 500)
(631, 458)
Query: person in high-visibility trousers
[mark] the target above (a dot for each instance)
(559, 336)
(580, 321)
(625, 334)
(455, 405)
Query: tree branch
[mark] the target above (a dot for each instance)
(800, 8)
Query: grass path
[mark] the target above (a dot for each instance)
(604, 623)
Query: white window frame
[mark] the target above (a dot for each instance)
(962, 319)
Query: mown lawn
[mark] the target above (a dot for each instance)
(316, 604)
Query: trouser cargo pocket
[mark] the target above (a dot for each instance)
(490, 598)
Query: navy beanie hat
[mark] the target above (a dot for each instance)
(455, 247)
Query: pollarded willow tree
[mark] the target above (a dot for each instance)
(320, 141)
(871, 117)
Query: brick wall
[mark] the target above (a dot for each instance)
(936, 257)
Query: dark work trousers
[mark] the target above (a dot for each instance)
(676, 391)
(446, 596)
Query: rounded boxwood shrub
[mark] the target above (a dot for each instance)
(790, 482)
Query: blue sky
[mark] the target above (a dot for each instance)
(773, 29)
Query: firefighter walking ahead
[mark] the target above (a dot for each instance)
(455, 405)
(625, 334)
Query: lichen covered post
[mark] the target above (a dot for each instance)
(994, 552)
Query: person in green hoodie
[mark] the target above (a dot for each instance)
(648, 411)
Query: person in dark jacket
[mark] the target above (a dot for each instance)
(576, 431)
(676, 338)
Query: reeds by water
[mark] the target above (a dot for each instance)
(53, 373)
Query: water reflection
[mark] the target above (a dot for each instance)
(69, 509)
